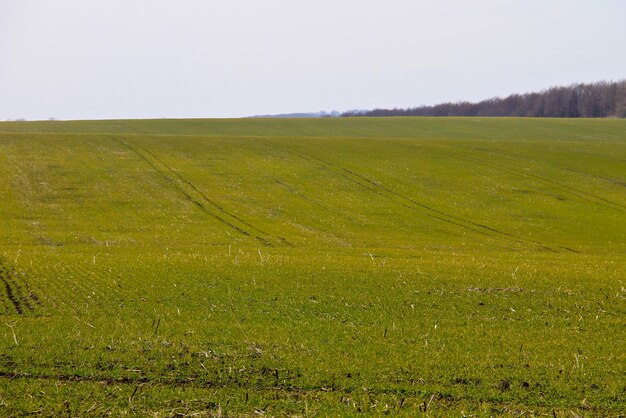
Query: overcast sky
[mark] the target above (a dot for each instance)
(96, 59)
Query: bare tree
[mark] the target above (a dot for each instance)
(596, 100)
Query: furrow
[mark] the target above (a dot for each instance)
(580, 194)
(413, 204)
(22, 302)
(175, 180)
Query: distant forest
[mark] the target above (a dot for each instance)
(595, 100)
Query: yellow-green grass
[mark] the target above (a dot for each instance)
(313, 267)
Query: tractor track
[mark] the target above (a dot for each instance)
(198, 198)
(17, 304)
(295, 192)
(435, 213)
(372, 187)
(19, 300)
(413, 204)
(572, 191)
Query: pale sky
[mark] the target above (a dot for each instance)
(101, 59)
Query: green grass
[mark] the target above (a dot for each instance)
(313, 267)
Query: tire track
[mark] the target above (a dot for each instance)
(20, 300)
(5, 305)
(203, 202)
(292, 190)
(580, 194)
(413, 204)
(9, 292)
(374, 187)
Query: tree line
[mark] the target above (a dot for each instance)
(595, 100)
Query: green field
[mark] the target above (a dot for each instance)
(321, 267)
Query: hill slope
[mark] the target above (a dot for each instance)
(329, 265)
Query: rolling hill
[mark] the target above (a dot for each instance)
(313, 266)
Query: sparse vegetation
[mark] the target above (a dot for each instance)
(337, 266)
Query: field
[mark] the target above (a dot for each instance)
(325, 267)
